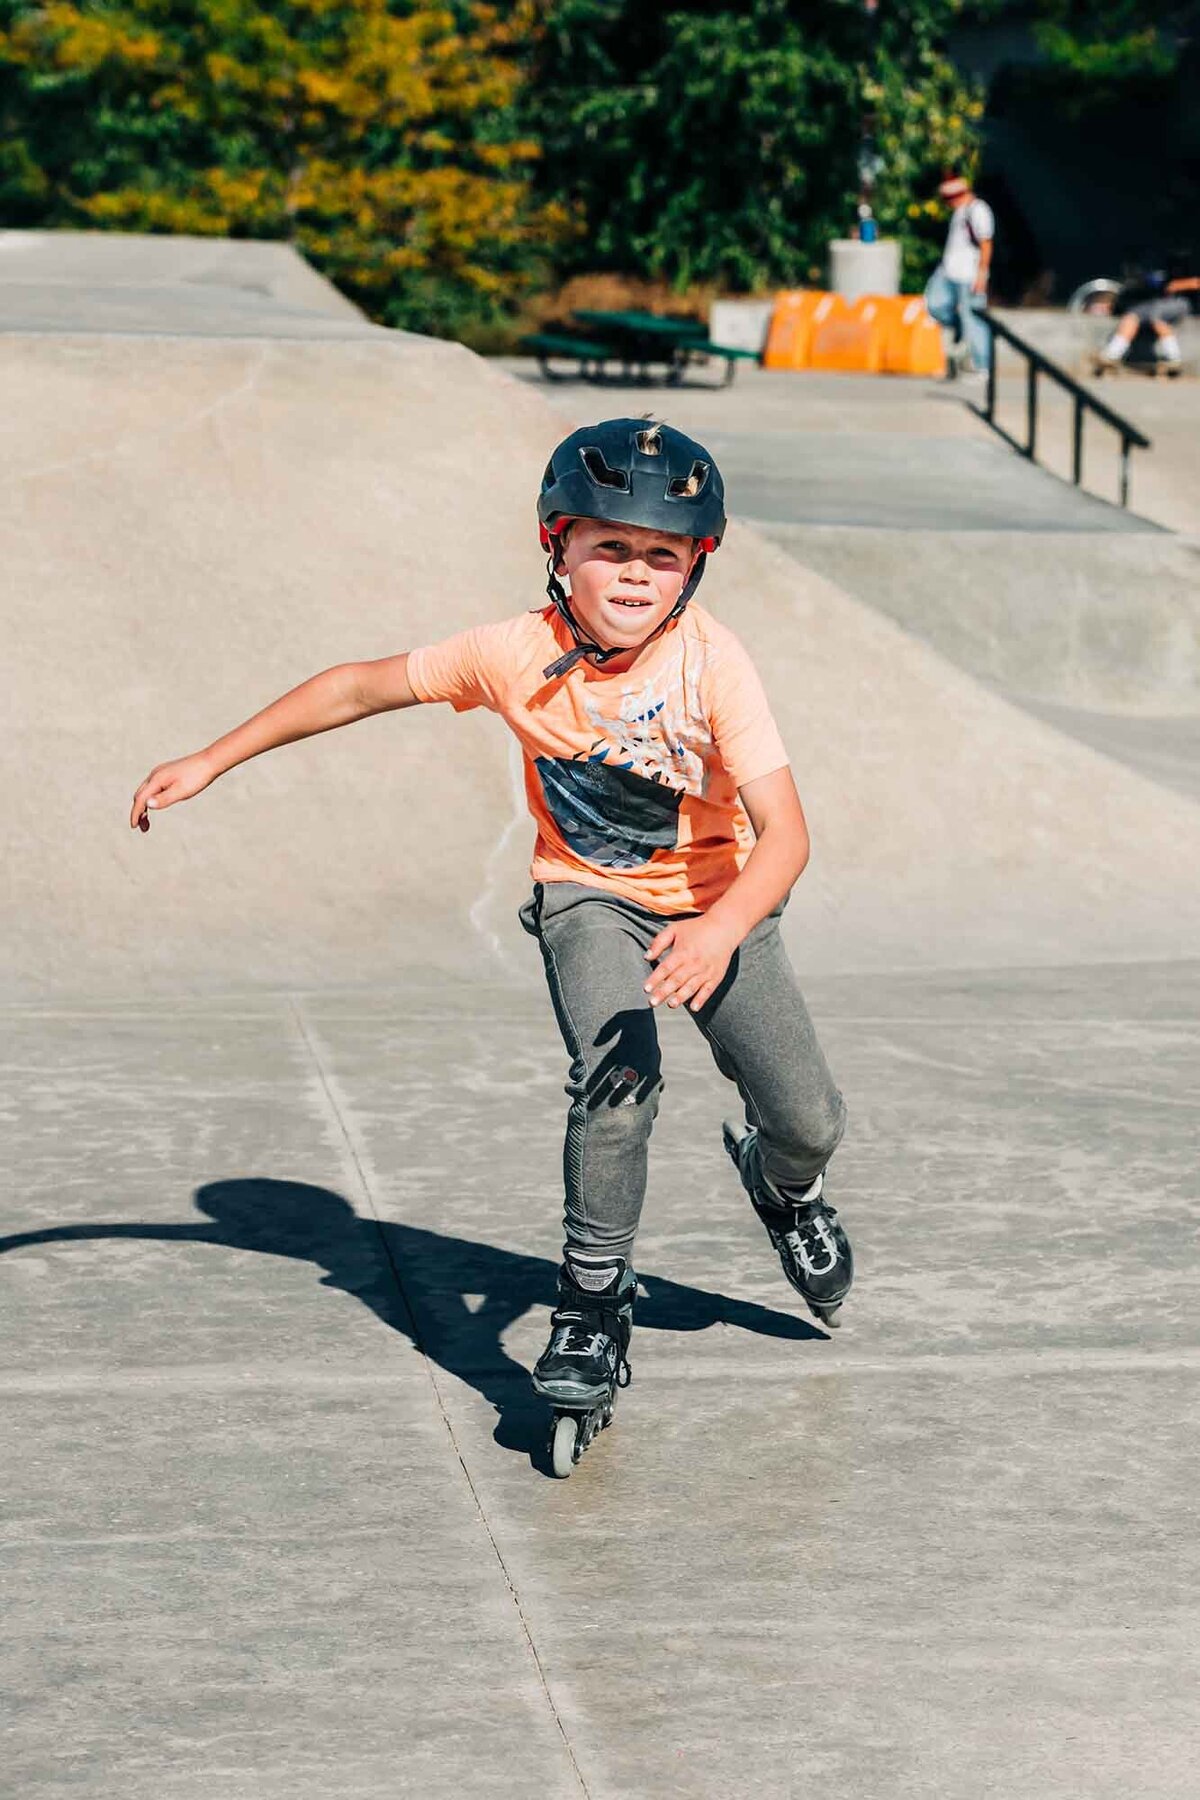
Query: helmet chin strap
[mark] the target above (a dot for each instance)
(583, 646)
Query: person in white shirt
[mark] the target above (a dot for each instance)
(957, 290)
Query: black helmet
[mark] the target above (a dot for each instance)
(634, 472)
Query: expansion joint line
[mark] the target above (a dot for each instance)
(337, 1114)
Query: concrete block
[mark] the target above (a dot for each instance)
(856, 268)
(740, 324)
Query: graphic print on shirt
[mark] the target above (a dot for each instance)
(619, 802)
(660, 729)
(609, 816)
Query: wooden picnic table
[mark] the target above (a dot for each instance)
(636, 341)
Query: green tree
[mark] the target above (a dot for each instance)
(710, 144)
(1102, 51)
(380, 137)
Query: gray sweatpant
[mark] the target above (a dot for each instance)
(1169, 309)
(757, 1025)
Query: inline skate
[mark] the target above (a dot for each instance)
(586, 1360)
(813, 1248)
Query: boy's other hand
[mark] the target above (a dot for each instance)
(692, 957)
(169, 782)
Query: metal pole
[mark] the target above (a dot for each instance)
(1077, 443)
(991, 381)
(1031, 375)
(1124, 470)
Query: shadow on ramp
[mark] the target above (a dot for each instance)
(451, 1297)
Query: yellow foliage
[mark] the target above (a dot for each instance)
(372, 137)
(75, 40)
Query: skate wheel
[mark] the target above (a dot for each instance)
(563, 1440)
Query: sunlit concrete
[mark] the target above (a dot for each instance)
(281, 1218)
(265, 1544)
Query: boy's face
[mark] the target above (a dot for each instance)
(624, 579)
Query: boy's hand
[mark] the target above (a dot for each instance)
(692, 956)
(169, 782)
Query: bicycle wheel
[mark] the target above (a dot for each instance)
(1094, 296)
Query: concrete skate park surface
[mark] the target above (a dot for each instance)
(282, 1219)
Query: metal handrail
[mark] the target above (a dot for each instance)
(1037, 363)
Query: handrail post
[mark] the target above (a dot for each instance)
(1077, 443)
(1084, 401)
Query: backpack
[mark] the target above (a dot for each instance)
(971, 231)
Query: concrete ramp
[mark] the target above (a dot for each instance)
(275, 1264)
(1102, 621)
(114, 282)
(895, 482)
(949, 826)
(191, 525)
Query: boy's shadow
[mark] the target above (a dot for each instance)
(451, 1297)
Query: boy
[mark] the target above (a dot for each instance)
(669, 835)
(1152, 298)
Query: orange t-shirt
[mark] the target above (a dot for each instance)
(632, 779)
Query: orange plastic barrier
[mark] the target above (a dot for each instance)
(850, 339)
(891, 333)
(912, 340)
(797, 313)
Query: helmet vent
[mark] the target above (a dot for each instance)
(686, 487)
(601, 472)
(649, 441)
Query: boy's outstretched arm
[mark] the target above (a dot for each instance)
(693, 954)
(337, 696)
